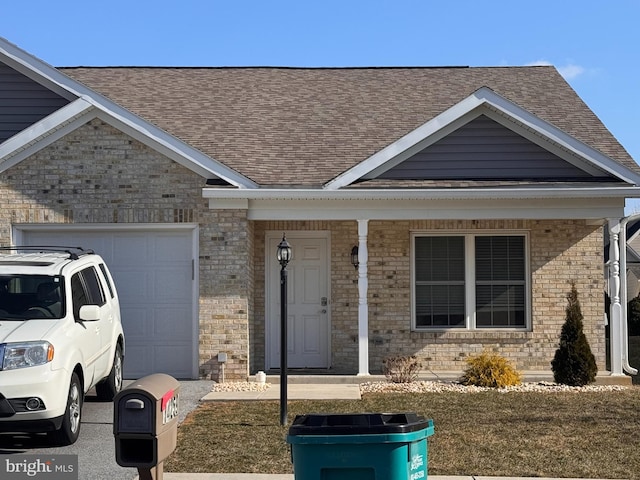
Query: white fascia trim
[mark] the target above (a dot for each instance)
(34, 68)
(191, 158)
(44, 132)
(423, 194)
(462, 112)
(592, 211)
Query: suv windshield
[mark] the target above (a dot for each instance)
(23, 297)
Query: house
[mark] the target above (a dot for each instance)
(475, 196)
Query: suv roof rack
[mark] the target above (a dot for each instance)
(73, 252)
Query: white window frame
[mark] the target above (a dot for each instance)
(470, 279)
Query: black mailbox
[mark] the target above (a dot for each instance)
(145, 423)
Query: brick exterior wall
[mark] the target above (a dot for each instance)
(226, 283)
(561, 252)
(97, 174)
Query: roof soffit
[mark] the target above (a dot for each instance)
(486, 102)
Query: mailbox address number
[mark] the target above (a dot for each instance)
(169, 406)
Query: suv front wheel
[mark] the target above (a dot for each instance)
(70, 428)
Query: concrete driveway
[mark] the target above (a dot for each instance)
(95, 447)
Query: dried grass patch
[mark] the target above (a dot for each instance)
(489, 433)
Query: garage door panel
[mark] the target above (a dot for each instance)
(171, 287)
(145, 360)
(152, 270)
(132, 285)
(138, 361)
(74, 239)
(130, 249)
(169, 323)
(165, 251)
(172, 358)
(137, 324)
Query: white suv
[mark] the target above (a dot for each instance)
(60, 336)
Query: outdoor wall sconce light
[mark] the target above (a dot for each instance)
(354, 257)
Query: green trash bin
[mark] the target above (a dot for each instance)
(366, 446)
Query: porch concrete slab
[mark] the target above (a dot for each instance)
(295, 391)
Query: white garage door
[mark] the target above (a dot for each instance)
(153, 272)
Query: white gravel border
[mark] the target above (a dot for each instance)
(432, 387)
(436, 387)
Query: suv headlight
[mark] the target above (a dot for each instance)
(27, 354)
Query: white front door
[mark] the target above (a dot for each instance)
(307, 301)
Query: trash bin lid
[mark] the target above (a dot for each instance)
(357, 423)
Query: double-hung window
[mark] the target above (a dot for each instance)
(470, 281)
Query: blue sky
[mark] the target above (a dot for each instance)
(593, 43)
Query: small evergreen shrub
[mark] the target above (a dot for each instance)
(490, 370)
(573, 363)
(401, 369)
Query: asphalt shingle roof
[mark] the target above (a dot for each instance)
(305, 126)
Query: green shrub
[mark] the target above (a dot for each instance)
(573, 363)
(401, 369)
(490, 370)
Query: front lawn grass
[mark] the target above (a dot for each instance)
(532, 434)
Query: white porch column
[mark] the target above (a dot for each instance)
(615, 312)
(363, 306)
(624, 323)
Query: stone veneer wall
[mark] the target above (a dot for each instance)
(561, 252)
(97, 174)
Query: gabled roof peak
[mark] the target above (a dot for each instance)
(484, 101)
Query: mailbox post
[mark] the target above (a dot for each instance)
(145, 424)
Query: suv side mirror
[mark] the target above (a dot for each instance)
(89, 313)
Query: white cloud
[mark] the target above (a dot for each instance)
(538, 63)
(568, 71)
(571, 71)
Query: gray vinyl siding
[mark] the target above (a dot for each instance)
(484, 149)
(23, 102)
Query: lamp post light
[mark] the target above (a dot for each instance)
(284, 256)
